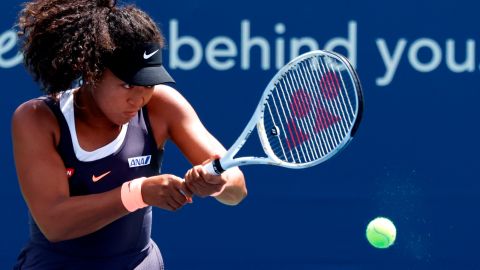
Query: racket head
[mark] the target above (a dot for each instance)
(310, 109)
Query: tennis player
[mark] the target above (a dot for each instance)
(88, 154)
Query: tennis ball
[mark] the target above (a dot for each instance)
(381, 232)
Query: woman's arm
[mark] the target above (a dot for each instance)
(44, 183)
(43, 179)
(187, 131)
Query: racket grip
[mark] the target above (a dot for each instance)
(214, 167)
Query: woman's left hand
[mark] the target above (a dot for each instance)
(203, 184)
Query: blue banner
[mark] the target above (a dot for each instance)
(414, 159)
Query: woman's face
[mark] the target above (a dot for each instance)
(118, 100)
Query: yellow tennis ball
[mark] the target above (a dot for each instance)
(381, 232)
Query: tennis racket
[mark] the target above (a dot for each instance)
(308, 112)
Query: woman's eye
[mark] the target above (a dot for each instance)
(127, 86)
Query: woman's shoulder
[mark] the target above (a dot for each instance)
(166, 100)
(168, 94)
(169, 111)
(33, 114)
(33, 108)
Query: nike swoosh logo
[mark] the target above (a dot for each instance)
(97, 178)
(146, 56)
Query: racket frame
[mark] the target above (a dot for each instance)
(228, 161)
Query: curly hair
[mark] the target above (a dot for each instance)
(65, 40)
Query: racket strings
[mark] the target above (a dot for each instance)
(300, 109)
(311, 110)
(330, 91)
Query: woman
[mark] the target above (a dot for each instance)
(88, 156)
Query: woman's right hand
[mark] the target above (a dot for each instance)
(166, 191)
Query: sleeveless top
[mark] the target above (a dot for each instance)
(131, 155)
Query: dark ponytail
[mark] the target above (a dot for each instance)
(64, 40)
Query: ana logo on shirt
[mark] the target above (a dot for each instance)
(139, 161)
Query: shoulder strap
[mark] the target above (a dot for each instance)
(65, 146)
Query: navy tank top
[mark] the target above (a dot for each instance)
(133, 154)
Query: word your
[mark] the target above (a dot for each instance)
(391, 58)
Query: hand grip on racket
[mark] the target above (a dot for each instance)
(308, 112)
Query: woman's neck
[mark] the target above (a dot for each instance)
(88, 113)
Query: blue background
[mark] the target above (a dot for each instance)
(414, 159)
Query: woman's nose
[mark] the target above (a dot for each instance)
(136, 100)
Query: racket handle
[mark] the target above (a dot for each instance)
(214, 167)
